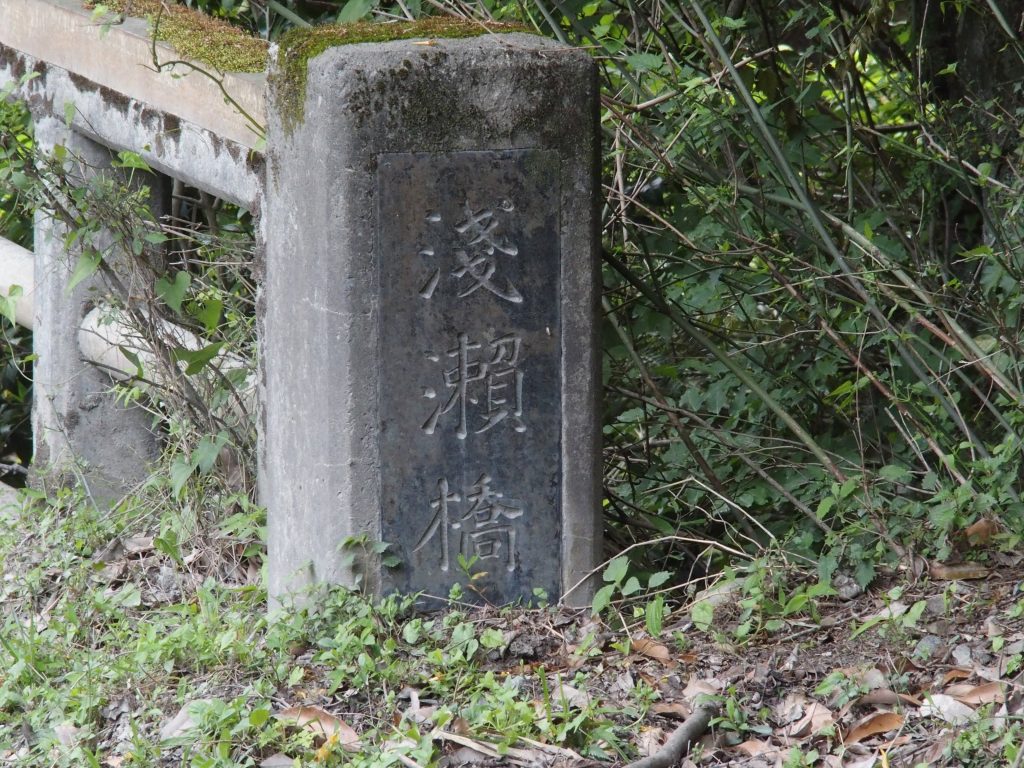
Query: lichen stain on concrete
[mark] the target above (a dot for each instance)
(11, 58)
(297, 46)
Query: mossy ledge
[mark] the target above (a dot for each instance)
(197, 36)
(298, 46)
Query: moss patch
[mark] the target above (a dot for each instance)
(198, 37)
(298, 46)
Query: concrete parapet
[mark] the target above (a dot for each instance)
(178, 121)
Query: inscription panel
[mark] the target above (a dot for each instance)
(469, 402)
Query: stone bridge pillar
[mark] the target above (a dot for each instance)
(429, 354)
(82, 433)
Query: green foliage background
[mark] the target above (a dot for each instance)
(15, 365)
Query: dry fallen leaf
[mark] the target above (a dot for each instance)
(653, 650)
(961, 572)
(791, 708)
(649, 741)
(467, 756)
(133, 545)
(565, 695)
(322, 723)
(67, 734)
(677, 709)
(886, 698)
(947, 708)
(816, 717)
(987, 693)
(881, 722)
(893, 610)
(277, 760)
(181, 723)
(933, 754)
(695, 687)
(865, 761)
(980, 532)
(956, 673)
(755, 747)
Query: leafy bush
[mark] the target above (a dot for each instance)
(813, 255)
(15, 360)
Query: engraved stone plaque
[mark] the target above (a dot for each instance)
(469, 397)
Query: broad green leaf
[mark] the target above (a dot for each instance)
(85, 268)
(657, 579)
(411, 632)
(181, 471)
(133, 359)
(825, 506)
(259, 717)
(206, 452)
(128, 596)
(196, 360)
(126, 159)
(9, 303)
(795, 604)
(894, 472)
(208, 313)
(730, 23)
(616, 570)
(354, 10)
(172, 292)
(631, 587)
(602, 599)
(645, 61)
(654, 616)
(702, 614)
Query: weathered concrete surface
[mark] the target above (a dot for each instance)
(179, 125)
(17, 267)
(470, 397)
(10, 503)
(323, 475)
(81, 434)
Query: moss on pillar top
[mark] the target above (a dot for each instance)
(197, 36)
(298, 46)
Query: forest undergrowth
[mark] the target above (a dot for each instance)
(811, 242)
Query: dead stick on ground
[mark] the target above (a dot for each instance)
(678, 744)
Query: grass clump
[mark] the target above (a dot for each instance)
(139, 638)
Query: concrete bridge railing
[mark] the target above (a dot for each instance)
(426, 225)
